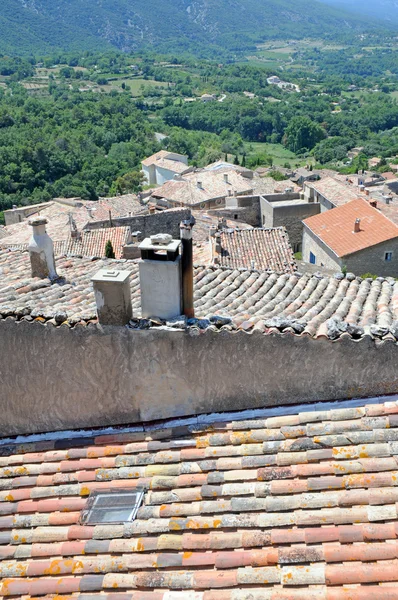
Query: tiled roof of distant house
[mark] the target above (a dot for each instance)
(336, 227)
(335, 191)
(200, 234)
(57, 214)
(267, 186)
(93, 242)
(256, 301)
(295, 506)
(221, 165)
(213, 185)
(163, 155)
(262, 249)
(119, 206)
(90, 243)
(389, 175)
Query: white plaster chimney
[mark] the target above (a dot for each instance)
(160, 277)
(41, 250)
(357, 226)
(226, 177)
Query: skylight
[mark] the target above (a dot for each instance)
(116, 506)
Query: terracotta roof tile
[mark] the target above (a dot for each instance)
(336, 227)
(315, 528)
(262, 249)
(336, 191)
(252, 300)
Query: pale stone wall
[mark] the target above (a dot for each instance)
(290, 216)
(56, 378)
(324, 256)
(372, 260)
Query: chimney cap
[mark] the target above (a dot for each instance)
(111, 276)
(38, 221)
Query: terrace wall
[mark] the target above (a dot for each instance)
(60, 378)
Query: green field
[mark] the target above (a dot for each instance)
(279, 153)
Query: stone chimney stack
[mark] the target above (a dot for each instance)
(357, 226)
(199, 185)
(41, 250)
(226, 177)
(113, 296)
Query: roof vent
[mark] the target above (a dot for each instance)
(116, 506)
(357, 226)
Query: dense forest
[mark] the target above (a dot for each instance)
(79, 124)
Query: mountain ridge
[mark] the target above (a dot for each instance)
(129, 25)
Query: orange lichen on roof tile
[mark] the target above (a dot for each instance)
(335, 228)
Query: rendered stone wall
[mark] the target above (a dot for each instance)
(58, 378)
(324, 256)
(160, 222)
(289, 216)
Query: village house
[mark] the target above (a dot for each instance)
(302, 175)
(331, 192)
(203, 189)
(163, 166)
(355, 236)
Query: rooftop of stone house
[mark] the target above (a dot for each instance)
(336, 228)
(251, 301)
(200, 234)
(162, 155)
(267, 186)
(201, 186)
(58, 217)
(336, 191)
(266, 505)
(257, 248)
(89, 243)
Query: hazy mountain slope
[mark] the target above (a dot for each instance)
(382, 9)
(130, 24)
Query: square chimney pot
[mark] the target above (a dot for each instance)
(113, 296)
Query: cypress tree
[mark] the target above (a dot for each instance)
(109, 252)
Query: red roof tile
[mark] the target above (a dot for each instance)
(336, 227)
(277, 507)
(262, 249)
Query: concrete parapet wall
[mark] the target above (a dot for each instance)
(61, 378)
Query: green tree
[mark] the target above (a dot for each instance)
(303, 134)
(109, 251)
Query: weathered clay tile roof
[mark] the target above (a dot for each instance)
(330, 307)
(57, 214)
(262, 249)
(335, 191)
(201, 232)
(268, 186)
(162, 159)
(295, 507)
(336, 227)
(93, 242)
(213, 186)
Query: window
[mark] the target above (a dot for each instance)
(236, 217)
(388, 256)
(312, 258)
(116, 506)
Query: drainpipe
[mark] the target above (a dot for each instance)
(187, 266)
